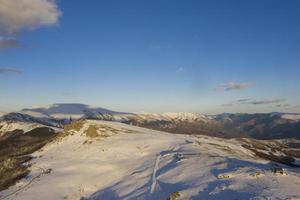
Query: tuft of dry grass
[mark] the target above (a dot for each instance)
(74, 126)
(69, 129)
(174, 196)
(91, 132)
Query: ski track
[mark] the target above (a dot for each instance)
(27, 185)
(154, 179)
(158, 159)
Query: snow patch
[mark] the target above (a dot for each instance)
(294, 117)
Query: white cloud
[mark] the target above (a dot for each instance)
(17, 15)
(234, 86)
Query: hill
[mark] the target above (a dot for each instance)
(94, 159)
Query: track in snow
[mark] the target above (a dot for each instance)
(179, 155)
(43, 171)
(154, 180)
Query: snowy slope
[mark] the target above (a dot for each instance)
(127, 162)
(10, 126)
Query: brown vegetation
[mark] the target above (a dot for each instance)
(91, 132)
(14, 151)
(273, 150)
(174, 196)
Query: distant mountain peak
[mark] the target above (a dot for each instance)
(67, 110)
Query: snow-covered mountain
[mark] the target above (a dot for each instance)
(57, 115)
(60, 114)
(21, 117)
(110, 160)
(7, 127)
(259, 126)
(81, 111)
(67, 111)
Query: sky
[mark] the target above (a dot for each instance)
(206, 56)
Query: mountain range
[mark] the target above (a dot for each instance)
(226, 125)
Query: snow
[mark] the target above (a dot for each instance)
(184, 116)
(7, 126)
(168, 116)
(130, 162)
(294, 117)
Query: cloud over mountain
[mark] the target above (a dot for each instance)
(18, 15)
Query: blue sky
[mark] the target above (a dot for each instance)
(207, 56)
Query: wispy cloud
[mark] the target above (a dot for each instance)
(243, 100)
(234, 86)
(9, 70)
(18, 15)
(286, 105)
(267, 101)
(249, 101)
(6, 43)
(179, 69)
